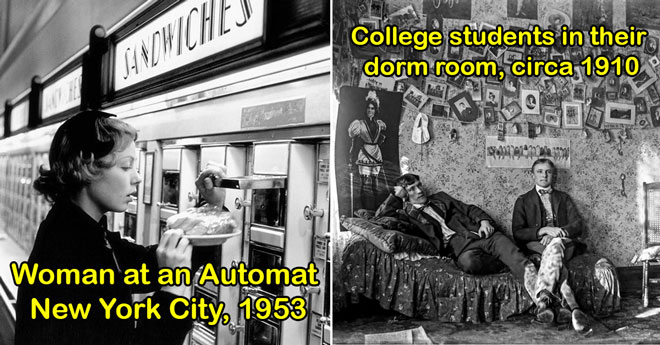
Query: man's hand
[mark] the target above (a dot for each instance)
(208, 182)
(545, 240)
(485, 230)
(552, 231)
(400, 192)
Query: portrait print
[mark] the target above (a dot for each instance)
(655, 116)
(511, 110)
(511, 55)
(511, 86)
(448, 9)
(594, 118)
(653, 94)
(526, 9)
(551, 118)
(490, 116)
(464, 107)
(530, 101)
(578, 93)
(651, 45)
(572, 115)
(473, 86)
(415, 97)
(436, 89)
(439, 111)
(366, 146)
(625, 92)
(640, 105)
(620, 113)
(493, 97)
(587, 13)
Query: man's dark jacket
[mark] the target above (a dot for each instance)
(459, 217)
(528, 217)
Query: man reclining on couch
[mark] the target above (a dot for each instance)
(464, 232)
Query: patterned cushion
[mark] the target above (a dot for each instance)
(388, 241)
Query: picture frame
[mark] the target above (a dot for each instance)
(415, 97)
(511, 87)
(655, 116)
(572, 115)
(640, 105)
(642, 14)
(524, 10)
(376, 9)
(530, 102)
(598, 97)
(625, 91)
(551, 118)
(651, 45)
(643, 79)
(464, 107)
(594, 118)
(493, 97)
(490, 116)
(370, 23)
(454, 52)
(439, 111)
(510, 56)
(653, 94)
(511, 110)
(147, 190)
(578, 92)
(456, 81)
(436, 89)
(473, 86)
(620, 113)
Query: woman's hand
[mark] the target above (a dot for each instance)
(208, 183)
(174, 251)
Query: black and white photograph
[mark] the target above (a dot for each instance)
(454, 52)
(620, 113)
(436, 89)
(643, 79)
(655, 116)
(490, 116)
(576, 54)
(640, 105)
(587, 13)
(554, 19)
(551, 117)
(450, 9)
(493, 97)
(440, 111)
(473, 86)
(464, 107)
(643, 14)
(376, 9)
(530, 101)
(405, 18)
(653, 94)
(510, 56)
(572, 115)
(414, 97)
(511, 87)
(578, 93)
(625, 91)
(456, 81)
(511, 110)
(651, 45)
(525, 9)
(598, 97)
(594, 118)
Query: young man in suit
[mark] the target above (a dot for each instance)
(459, 230)
(546, 222)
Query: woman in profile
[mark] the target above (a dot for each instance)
(371, 132)
(92, 171)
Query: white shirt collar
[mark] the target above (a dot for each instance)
(541, 188)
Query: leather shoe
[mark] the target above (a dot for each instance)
(544, 313)
(564, 316)
(580, 321)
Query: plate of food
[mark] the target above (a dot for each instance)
(210, 240)
(205, 226)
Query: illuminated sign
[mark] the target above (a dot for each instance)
(189, 31)
(62, 95)
(19, 116)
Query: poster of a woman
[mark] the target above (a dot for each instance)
(366, 147)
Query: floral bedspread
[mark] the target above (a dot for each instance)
(437, 289)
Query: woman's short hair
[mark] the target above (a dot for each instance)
(81, 147)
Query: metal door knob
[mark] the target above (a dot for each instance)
(310, 212)
(308, 290)
(240, 203)
(323, 321)
(234, 328)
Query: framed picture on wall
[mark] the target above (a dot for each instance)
(551, 118)
(148, 177)
(530, 101)
(572, 115)
(594, 118)
(493, 97)
(655, 116)
(620, 113)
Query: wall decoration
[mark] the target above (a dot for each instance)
(530, 102)
(598, 97)
(455, 53)
(377, 83)
(493, 97)
(436, 89)
(572, 115)
(654, 61)
(625, 92)
(490, 117)
(511, 86)
(473, 86)
(439, 111)
(511, 55)
(555, 19)
(511, 110)
(415, 97)
(521, 152)
(370, 23)
(551, 117)
(620, 113)
(643, 14)
(640, 105)
(655, 116)
(576, 54)
(456, 81)
(587, 13)
(449, 9)
(464, 107)
(643, 79)
(653, 94)
(537, 52)
(651, 45)
(366, 147)
(594, 118)
(376, 9)
(578, 92)
(526, 9)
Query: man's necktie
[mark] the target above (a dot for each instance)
(545, 191)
